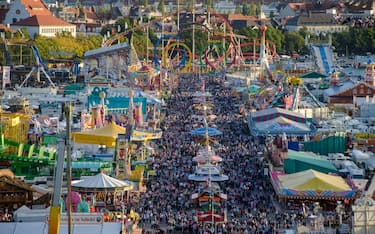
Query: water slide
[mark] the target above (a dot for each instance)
(324, 58)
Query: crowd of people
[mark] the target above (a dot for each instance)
(167, 202)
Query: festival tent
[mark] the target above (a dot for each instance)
(311, 184)
(314, 180)
(102, 136)
(277, 121)
(102, 182)
(298, 161)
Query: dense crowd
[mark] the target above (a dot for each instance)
(167, 202)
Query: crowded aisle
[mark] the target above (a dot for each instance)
(166, 205)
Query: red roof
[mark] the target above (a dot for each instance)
(36, 7)
(240, 17)
(42, 20)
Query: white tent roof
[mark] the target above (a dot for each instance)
(42, 228)
(102, 182)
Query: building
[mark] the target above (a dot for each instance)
(360, 8)
(238, 21)
(22, 9)
(109, 62)
(315, 23)
(34, 16)
(14, 192)
(44, 25)
(349, 93)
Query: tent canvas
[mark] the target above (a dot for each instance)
(102, 182)
(300, 161)
(42, 228)
(313, 75)
(102, 136)
(312, 184)
(313, 180)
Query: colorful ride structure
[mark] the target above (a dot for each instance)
(208, 196)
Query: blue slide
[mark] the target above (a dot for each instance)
(324, 59)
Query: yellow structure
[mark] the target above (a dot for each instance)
(15, 127)
(54, 220)
(314, 180)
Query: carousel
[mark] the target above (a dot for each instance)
(103, 192)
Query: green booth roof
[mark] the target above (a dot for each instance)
(300, 161)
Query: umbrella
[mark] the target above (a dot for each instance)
(202, 132)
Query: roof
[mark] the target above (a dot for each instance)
(312, 19)
(271, 111)
(7, 176)
(240, 17)
(3, 12)
(336, 90)
(313, 75)
(359, 5)
(42, 20)
(35, 7)
(103, 136)
(343, 86)
(310, 158)
(102, 182)
(107, 49)
(280, 125)
(313, 180)
(297, 6)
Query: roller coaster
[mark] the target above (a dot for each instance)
(223, 50)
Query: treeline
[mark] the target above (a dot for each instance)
(356, 41)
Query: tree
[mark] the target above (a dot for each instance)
(245, 9)
(258, 10)
(238, 9)
(293, 42)
(161, 6)
(144, 3)
(276, 36)
(252, 9)
(210, 3)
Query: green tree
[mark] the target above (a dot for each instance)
(245, 9)
(238, 9)
(161, 6)
(144, 3)
(258, 9)
(276, 36)
(252, 9)
(293, 42)
(272, 14)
